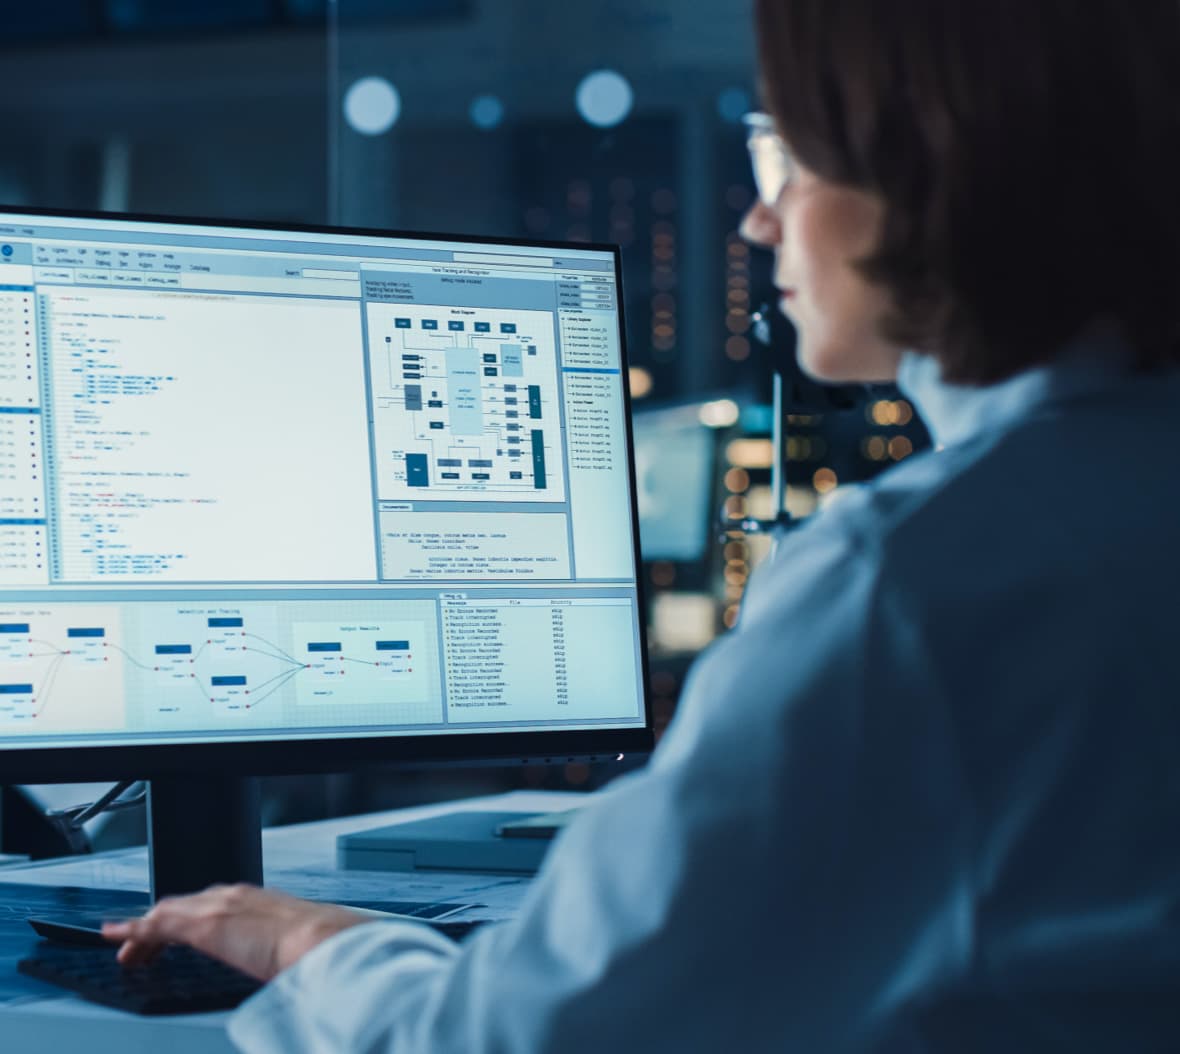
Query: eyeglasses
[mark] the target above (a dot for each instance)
(770, 158)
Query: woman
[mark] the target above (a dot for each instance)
(925, 797)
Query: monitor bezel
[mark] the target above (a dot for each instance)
(267, 757)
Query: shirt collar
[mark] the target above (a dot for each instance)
(956, 412)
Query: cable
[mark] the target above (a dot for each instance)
(70, 821)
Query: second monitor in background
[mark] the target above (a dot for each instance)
(677, 499)
(675, 470)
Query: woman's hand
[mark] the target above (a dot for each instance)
(259, 932)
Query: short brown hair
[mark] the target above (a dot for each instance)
(1028, 154)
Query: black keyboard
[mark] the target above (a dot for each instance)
(178, 981)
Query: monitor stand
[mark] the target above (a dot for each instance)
(203, 830)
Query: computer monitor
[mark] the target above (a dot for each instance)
(299, 499)
(674, 467)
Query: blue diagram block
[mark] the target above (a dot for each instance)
(466, 402)
(538, 459)
(417, 470)
(511, 359)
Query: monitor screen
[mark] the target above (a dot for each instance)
(674, 466)
(302, 484)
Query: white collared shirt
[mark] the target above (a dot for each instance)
(926, 798)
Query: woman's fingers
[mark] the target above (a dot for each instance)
(259, 932)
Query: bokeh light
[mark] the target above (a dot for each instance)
(640, 382)
(824, 480)
(604, 98)
(733, 104)
(487, 111)
(719, 413)
(372, 106)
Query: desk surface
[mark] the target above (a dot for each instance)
(35, 1018)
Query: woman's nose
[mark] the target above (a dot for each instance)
(761, 226)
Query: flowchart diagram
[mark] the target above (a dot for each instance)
(57, 671)
(192, 667)
(465, 404)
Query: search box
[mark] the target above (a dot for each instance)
(505, 258)
(254, 284)
(322, 272)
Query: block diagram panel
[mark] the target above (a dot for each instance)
(245, 662)
(368, 660)
(60, 670)
(465, 404)
(176, 668)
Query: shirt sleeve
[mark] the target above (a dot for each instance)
(784, 873)
(343, 995)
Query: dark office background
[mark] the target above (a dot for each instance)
(610, 120)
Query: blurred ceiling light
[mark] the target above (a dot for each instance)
(682, 622)
(487, 111)
(824, 480)
(801, 502)
(372, 106)
(750, 453)
(760, 503)
(900, 447)
(720, 413)
(604, 98)
(737, 481)
(883, 412)
(874, 448)
(640, 382)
